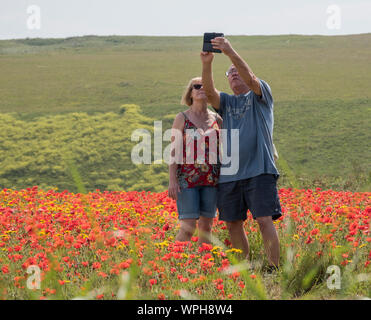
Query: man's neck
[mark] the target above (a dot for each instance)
(240, 90)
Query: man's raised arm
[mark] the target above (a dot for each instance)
(242, 67)
(212, 94)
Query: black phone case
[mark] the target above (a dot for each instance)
(207, 47)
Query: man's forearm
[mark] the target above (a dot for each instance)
(242, 67)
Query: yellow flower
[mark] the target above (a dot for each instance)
(162, 244)
(234, 250)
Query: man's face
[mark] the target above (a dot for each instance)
(234, 78)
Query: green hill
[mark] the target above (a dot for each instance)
(320, 85)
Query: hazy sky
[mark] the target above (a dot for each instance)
(66, 18)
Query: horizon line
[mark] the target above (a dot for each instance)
(184, 36)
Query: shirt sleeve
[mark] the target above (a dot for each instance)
(266, 97)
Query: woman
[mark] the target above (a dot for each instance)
(193, 183)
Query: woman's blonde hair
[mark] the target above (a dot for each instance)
(186, 97)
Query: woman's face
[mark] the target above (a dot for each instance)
(198, 92)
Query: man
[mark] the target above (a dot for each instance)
(254, 186)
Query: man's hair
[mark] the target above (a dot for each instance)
(186, 97)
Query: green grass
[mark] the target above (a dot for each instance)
(77, 152)
(100, 73)
(320, 86)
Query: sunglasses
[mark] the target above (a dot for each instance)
(197, 86)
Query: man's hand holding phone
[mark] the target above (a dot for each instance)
(207, 45)
(215, 42)
(222, 44)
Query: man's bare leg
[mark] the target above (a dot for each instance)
(270, 238)
(238, 236)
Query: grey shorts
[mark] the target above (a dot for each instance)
(259, 194)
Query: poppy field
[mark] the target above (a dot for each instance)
(120, 245)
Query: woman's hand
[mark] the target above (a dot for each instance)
(174, 189)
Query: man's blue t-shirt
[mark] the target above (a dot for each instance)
(253, 116)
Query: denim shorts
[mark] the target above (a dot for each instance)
(197, 201)
(258, 194)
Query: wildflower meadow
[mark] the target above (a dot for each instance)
(120, 245)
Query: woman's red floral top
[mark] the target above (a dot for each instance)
(204, 171)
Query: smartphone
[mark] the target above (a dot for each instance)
(208, 47)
